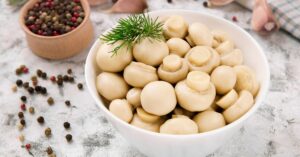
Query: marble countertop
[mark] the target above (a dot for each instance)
(274, 130)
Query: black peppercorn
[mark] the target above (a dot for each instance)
(39, 73)
(19, 83)
(59, 77)
(49, 151)
(43, 90)
(48, 132)
(71, 79)
(80, 86)
(69, 71)
(38, 89)
(20, 115)
(67, 102)
(25, 85)
(23, 98)
(22, 121)
(50, 101)
(30, 90)
(69, 137)
(44, 75)
(67, 125)
(66, 78)
(60, 82)
(40, 120)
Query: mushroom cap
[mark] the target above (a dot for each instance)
(179, 125)
(138, 122)
(175, 26)
(233, 58)
(190, 41)
(173, 69)
(202, 58)
(224, 79)
(122, 109)
(219, 37)
(150, 51)
(116, 63)
(158, 98)
(178, 46)
(240, 107)
(180, 111)
(209, 120)
(133, 96)
(145, 116)
(111, 86)
(225, 47)
(139, 74)
(228, 99)
(198, 80)
(200, 34)
(193, 100)
(246, 79)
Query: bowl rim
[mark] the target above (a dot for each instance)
(26, 7)
(258, 102)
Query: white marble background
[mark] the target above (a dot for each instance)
(273, 131)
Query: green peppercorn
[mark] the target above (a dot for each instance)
(40, 120)
(31, 110)
(79, 19)
(48, 132)
(18, 71)
(50, 101)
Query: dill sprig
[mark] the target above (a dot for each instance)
(132, 30)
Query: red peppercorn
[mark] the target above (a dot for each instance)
(40, 32)
(76, 14)
(28, 146)
(23, 107)
(53, 78)
(55, 33)
(76, 1)
(73, 19)
(234, 18)
(25, 70)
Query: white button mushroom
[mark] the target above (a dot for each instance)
(246, 79)
(228, 99)
(225, 47)
(175, 26)
(107, 62)
(240, 107)
(209, 120)
(134, 97)
(180, 111)
(154, 126)
(158, 98)
(139, 74)
(173, 69)
(200, 34)
(202, 58)
(190, 41)
(145, 116)
(219, 37)
(179, 125)
(233, 58)
(111, 86)
(224, 79)
(122, 109)
(178, 46)
(196, 93)
(150, 51)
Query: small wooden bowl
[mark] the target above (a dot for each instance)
(61, 46)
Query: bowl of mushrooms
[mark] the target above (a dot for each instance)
(177, 83)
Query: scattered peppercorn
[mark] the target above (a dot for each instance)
(25, 85)
(44, 75)
(66, 78)
(21, 138)
(31, 110)
(25, 70)
(205, 4)
(20, 115)
(30, 90)
(40, 120)
(53, 78)
(14, 88)
(38, 89)
(80, 86)
(39, 73)
(50, 101)
(28, 146)
(33, 78)
(23, 107)
(23, 98)
(34, 83)
(69, 137)
(169, 1)
(18, 71)
(71, 79)
(68, 103)
(48, 132)
(19, 83)
(70, 71)
(67, 125)
(60, 82)
(49, 150)
(43, 90)
(20, 127)
(22, 121)
(59, 77)
(234, 18)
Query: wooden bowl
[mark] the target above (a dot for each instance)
(61, 46)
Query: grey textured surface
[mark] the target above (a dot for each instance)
(273, 131)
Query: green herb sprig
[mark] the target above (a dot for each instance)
(132, 30)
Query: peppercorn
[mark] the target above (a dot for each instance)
(205, 4)
(19, 83)
(21, 138)
(23, 98)
(34, 83)
(69, 137)
(49, 150)
(39, 73)
(22, 121)
(71, 79)
(23, 107)
(14, 88)
(18, 71)
(59, 77)
(30, 90)
(48, 132)
(25, 85)
(38, 89)
(67, 125)
(53, 78)
(70, 71)
(28, 146)
(33, 78)
(43, 90)
(20, 115)
(40, 120)
(44, 75)
(234, 18)
(25, 70)
(20, 127)
(60, 82)
(66, 78)
(31, 110)
(80, 86)
(50, 101)
(67, 102)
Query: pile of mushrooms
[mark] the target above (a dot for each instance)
(193, 82)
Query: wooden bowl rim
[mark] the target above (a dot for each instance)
(25, 8)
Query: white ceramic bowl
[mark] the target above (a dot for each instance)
(163, 145)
